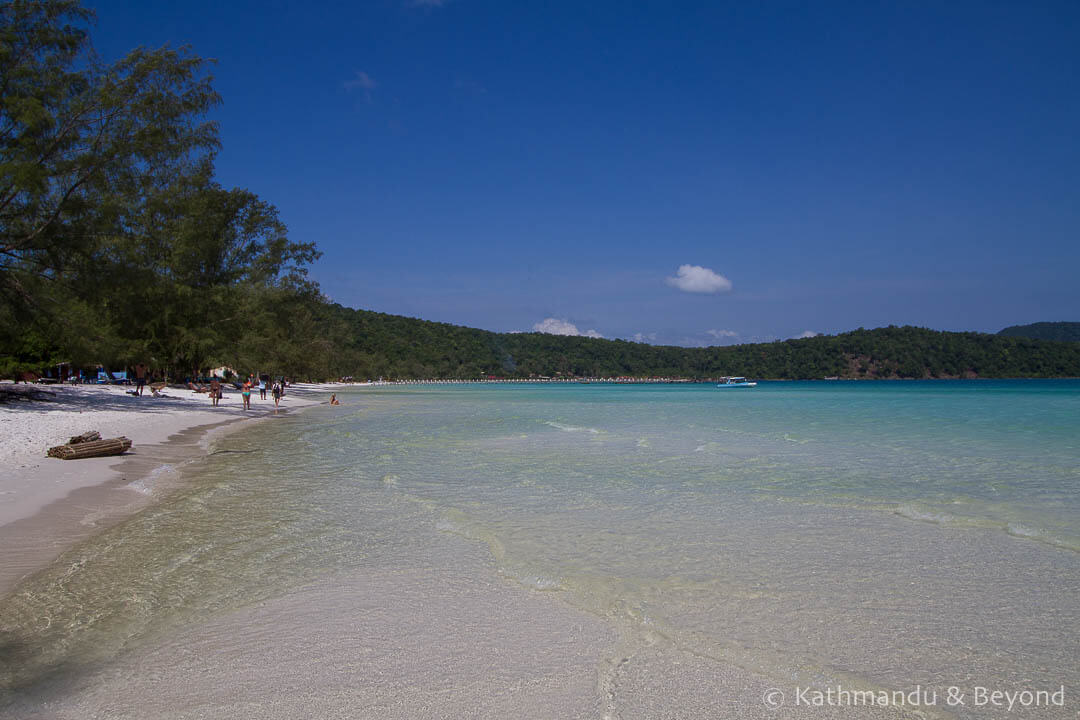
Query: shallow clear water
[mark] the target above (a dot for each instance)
(887, 533)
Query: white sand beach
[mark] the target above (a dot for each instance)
(34, 487)
(31, 480)
(446, 640)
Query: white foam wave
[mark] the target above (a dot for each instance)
(1029, 533)
(145, 485)
(532, 579)
(1018, 530)
(922, 515)
(1024, 531)
(572, 428)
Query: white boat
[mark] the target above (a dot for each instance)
(735, 382)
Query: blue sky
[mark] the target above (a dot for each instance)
(817, 166)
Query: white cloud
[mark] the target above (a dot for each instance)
(721, 334)
(555, 326)
(644, 337)
(361, 81)
(805, 334)
(697, 279)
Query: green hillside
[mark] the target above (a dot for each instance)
(375, 344)
(1059, 331)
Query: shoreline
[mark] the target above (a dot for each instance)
(345, 592)
(48, 505)
(691, 381)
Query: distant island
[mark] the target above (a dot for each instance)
(1059, 331)
(372, 345)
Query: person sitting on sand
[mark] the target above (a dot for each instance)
(333, 399)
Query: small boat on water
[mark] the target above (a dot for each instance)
(735, 382)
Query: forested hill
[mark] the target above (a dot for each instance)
(374, 344)
(1060, 331)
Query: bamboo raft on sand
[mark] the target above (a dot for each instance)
(89, 445)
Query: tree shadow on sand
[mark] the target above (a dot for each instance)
(25, 678)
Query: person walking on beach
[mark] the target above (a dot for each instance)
(277, 396)
(245, 393)
(215, 390)
(140, 378)
(262, 388)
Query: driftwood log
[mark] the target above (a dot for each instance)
(92, 448)
(85, 437)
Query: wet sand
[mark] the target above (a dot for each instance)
(445, 639)
(48, 505)
(120, 486)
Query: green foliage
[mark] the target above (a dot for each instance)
(373, 344)
(86, 149)
(198, 286)
(1060, 331)
(116, 244)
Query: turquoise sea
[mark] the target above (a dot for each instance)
(886, 534)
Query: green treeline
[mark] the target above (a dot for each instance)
(118, 246)
(1060, 331)
(374, 344)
